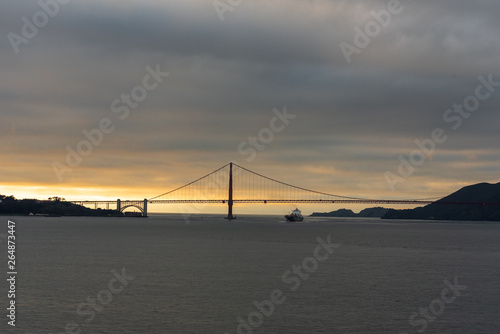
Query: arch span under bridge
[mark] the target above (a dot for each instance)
(232, 184)
(119, 205)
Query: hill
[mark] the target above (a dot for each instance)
(376, 212)
(12, 206)
(457, 206)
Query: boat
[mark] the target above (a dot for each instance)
(295, 216)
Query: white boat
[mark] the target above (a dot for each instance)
(294, 216)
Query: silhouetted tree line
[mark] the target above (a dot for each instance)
(54, 206)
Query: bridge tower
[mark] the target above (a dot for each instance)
(145, 207)
(230, 196)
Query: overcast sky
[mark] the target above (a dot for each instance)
(359, 105)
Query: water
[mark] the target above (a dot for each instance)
(202, 276)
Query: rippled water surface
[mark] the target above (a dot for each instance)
(204, 277)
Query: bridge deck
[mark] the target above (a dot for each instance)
(277, 201)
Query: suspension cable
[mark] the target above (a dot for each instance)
(190, 183)
(318, 192)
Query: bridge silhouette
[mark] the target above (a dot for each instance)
(232, 184)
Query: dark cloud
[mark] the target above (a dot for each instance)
(353, 120)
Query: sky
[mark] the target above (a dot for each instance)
(130, 99)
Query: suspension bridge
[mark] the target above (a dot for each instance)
(232, 184)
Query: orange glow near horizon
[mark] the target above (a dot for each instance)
(128, 184)
(69, 193)
(110, 194)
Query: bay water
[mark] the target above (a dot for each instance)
(255, 274)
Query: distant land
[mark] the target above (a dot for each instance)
(456, 206)
(55, 206)
(444, 209)
(376, 212)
